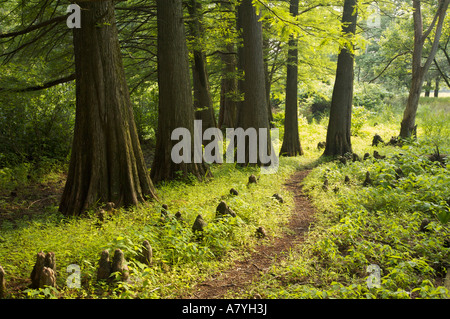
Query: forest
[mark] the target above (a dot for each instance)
(218, 149)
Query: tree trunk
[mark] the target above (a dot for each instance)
(267, 77)
(175, 96)
(436, 88)
(428, 88)
(203, 105)
(229, 84)
(291, 141)
(409, 115)
(418, 70)
(228, 91)
(240, 68)
(106, 163)
(202, 98)
(252, 112)
(339, 126)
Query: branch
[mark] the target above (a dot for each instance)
(141, 81)
(389, 63)
(444, 76)
(431, 27)
(147, 9)
(275, 14)
(221, 52)
(442, 11)
(311, 8)
(446, 54)
(33, 27)
(10, 54)
(42, 86)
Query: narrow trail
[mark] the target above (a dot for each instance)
(241, 275)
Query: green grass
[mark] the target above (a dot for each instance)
(179, 259)
(379, 225)
(355, 226)
(434, 119)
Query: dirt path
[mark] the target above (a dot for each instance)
(238, 278)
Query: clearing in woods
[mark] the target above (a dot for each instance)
(238, 279)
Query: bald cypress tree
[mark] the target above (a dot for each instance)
(106, 162)
(291, 140)
(175, 108)
(339, 126)
(203, 104)
(420, 68)
(252, 111)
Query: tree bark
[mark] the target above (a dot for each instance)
(291, 142)
(267, 77)
(436, 88)
(252, 112)
(338, 134)
(418, 70)
(229, 84)
(106, 163)
(202, 97)
(428, 88)
(175, 96)
(228, 91)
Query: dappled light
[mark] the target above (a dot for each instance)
(206, 149)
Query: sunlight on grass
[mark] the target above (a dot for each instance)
(379, 224)
(351, 226)
(80, 240)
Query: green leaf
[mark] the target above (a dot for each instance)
(443, 216)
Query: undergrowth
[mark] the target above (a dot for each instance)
(396, 225)
(179, 258)
(356, 227)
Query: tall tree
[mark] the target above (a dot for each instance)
(106, 163)
(228, 89)
(267, 76)
(175, 108)
(291, 140)
(202, 97)
(229, 81)
(338, 134)
(252, 111)
(443, 66)
(420, 69)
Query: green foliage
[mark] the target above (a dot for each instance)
(36, 126)
(179, 257)
(357, 226)
(371, 96)
(434, 120)
(314, 104)
(359, 117)
(145, 107)
(379, 224)
(42, 293)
